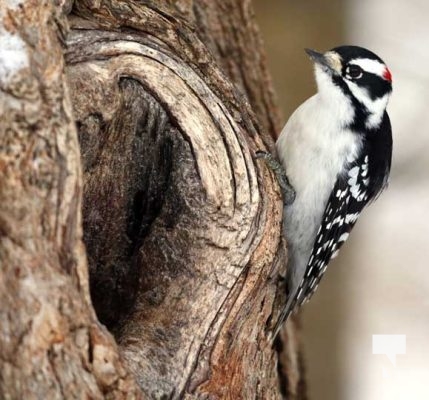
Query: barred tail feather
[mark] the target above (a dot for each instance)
(284, 315)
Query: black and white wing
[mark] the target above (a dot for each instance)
(345, 203)
(347, 200)
(361, 183)
(353, 190)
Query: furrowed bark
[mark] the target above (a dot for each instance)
(51, 345)
(182, 227)
(229, 30)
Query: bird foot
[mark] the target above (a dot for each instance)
(288, 191)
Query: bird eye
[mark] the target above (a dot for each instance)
(354, 71)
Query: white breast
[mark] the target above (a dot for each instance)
(314, 148)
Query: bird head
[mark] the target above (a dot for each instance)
(359, 74)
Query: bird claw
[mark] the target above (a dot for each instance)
(288, 191)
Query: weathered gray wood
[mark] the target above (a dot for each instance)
(182, 226)
(51, 345)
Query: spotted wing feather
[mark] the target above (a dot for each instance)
(362, 183)
(347, 200)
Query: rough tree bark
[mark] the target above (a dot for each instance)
(51, 345)
(182, 227)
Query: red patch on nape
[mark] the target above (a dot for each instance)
(387, 75)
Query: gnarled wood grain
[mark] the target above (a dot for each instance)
(182, 227)
(51, 345)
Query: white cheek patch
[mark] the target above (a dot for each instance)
(375, 107)
(371, 66)
(377, 111)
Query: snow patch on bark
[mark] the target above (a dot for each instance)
(14, 4)
(13, 55)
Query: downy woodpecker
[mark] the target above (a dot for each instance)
(336, 151)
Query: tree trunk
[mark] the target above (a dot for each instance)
(182, 227)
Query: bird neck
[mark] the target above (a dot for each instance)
(333, 100)
(374, 107)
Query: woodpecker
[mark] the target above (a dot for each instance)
(336, 152)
